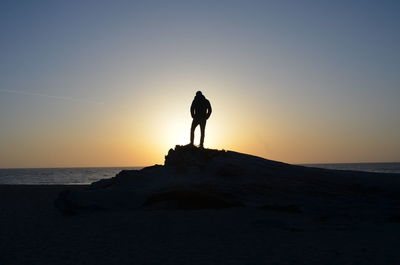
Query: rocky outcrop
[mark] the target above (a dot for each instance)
(189, 155)
(193, 179)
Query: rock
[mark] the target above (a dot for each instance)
(190, 156)
(230, 171)
(187, 200)
(194, 178)
(68, 205)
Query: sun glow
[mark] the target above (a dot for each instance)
(177, 131)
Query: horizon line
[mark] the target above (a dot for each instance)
(298, 164)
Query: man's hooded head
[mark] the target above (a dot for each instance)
(199, 96)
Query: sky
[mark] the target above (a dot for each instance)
(110, 83)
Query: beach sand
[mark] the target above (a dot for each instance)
(33, 231)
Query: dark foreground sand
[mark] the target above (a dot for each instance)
(32, 231)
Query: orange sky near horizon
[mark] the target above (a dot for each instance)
(141, 133)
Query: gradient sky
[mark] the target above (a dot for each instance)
(110, 83)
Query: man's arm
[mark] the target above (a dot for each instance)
(209, 109)
(192, 109)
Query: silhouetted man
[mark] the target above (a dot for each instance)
(200, 111)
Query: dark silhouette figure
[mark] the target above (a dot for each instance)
(200, 111)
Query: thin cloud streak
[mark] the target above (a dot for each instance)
(26, 93)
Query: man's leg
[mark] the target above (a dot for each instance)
(203, 129)
(192, 128)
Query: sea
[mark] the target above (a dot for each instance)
(84, 176)
(58, 176)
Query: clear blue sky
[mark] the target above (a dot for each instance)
(93, 83)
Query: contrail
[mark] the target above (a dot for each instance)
(26, 93)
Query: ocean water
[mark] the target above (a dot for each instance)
(58, 176)
(80, 176)
(368, 167)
